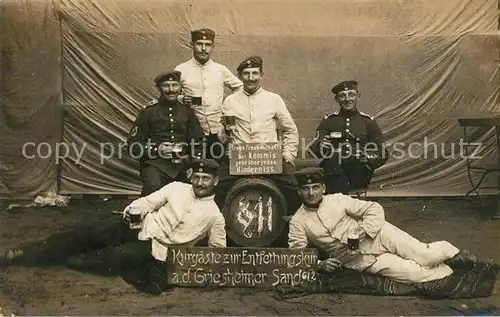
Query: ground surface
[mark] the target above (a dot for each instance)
(61, 291)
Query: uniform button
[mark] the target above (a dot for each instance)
(346, 130)
(170, 109)
(347, 119)
(347, 123)
(171, 120)
(170, 115)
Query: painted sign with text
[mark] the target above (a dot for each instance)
(256, 159)
(240, 267)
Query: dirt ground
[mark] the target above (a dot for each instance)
(61, 291)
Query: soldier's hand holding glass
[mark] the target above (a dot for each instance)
(132, 217)
(187, 100)
(330, 265)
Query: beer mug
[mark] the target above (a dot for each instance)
(230, 121)
(352, 243)
(135, 218)
(177, 148)
(165, 148)
(336, 135)
(336, 139)
(197, 101)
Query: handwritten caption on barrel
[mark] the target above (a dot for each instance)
(241, 267)
(256, 158)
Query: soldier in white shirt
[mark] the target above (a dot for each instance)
(327, 222)
(178, 214)
(205, 80)
(259, 115)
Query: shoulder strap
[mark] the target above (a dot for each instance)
(365, 115)
(328, 114)
(151, 102)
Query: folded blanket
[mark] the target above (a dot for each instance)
(466, 283)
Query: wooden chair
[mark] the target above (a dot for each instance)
(358, 192)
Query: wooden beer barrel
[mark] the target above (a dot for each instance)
(254, 209)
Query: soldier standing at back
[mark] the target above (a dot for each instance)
(350, 143)
(204, 79)
(165, 136)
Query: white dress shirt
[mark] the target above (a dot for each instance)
(328, 226)
(258, 117)
(208, 81)
(174, 216)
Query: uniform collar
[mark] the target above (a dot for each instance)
(309, 209)
(348, 113)
(312, 209)
(195, 62)
(162, 101)
(208, 198)
(253, 93)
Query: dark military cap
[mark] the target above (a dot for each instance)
(310, 175)
(208, 166)
(202, 34)
(250, 62)
(345, 85)
(173, 75)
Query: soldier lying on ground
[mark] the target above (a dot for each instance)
(177, 214)
(356, 236)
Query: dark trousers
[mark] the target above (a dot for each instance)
(122, 249)
(350, 175)
(154, 179)
(106, 247)
(214, 148)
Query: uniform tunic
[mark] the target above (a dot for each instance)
(350, 131)
(174, 216)
(208, 81)
(163, 121)
(258, 117)
(385, 250)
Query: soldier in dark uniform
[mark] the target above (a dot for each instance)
(165, 136)
(350, 143)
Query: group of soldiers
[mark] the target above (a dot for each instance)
(178, 204)
(192, 107)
